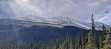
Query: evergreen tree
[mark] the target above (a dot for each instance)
(104, 30)
(78, 41)
(91, 44)
(56, 44)
(107, 41)
(100, 42)
(67, 44)
(101, 38)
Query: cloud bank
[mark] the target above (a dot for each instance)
(80, 10)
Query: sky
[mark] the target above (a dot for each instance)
(80, 10)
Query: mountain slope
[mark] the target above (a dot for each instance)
(27, 31)
(12, 31)
(59, 20)
(56, 22)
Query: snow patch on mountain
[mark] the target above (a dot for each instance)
(82, 25)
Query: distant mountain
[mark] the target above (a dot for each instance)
(18, 30)
(12, 31)
(56, 22)
(67, 21)
(27, 23)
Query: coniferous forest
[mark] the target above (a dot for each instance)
(94, 39)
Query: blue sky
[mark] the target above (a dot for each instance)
(80, 10)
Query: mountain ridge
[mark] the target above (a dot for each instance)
(98, 25)
(19, 30)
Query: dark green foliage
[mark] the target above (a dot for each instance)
(79, 42)
(92, 37)
(107, 41)
(101, 37)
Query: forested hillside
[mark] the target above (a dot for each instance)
(36, 34)
(47, 37)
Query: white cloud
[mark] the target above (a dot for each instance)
(77, 9)
(94, 4)
(106, 19)
(23, 8)
(24, 0)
